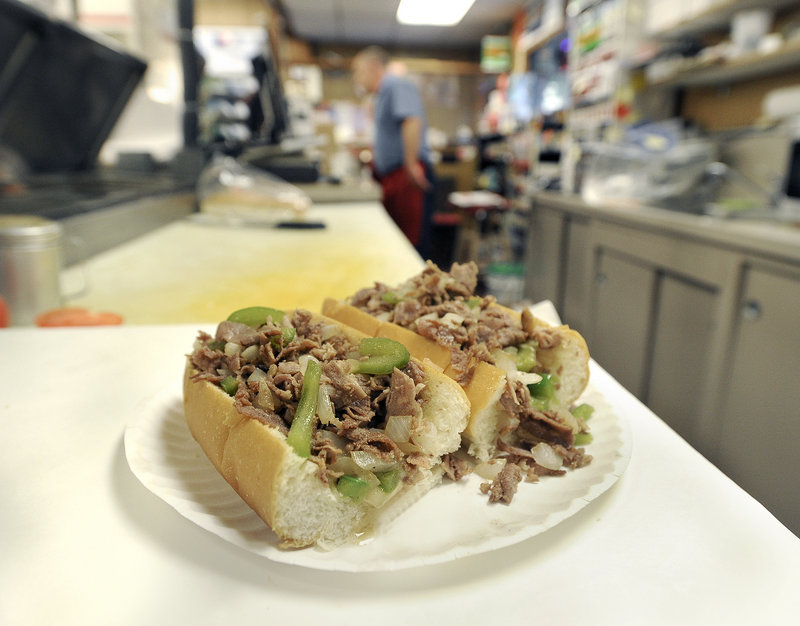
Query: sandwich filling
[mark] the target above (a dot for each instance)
(361, 423)
(539, 436)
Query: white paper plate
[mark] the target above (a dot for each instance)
(452, 521)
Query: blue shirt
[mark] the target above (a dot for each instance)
(397, 99)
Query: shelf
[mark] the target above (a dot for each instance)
(740, 69)
(718, 17)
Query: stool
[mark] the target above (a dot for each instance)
(481, 235)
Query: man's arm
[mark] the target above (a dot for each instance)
(411, 131)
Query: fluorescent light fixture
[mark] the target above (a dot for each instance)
(432, 12)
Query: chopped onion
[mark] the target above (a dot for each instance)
(368, 461)
(346, 465)
(490, 469)
(250, 353)
(329, 330)
(408, 447)
(257, 376)
(336, 440)
(377, 497)
(454, 320)
(264, 399)
(504, 361)
(545, 456)
(398, 428)
(324, 405)
(232, 349)
(524, 377)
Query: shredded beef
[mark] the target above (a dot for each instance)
(415, 371)
(547, 338)
(532, 425)
(455, 467)
(374, 441)
(346, 387)
(402, 396)
(265, 417)
(503, 488)
(574, 457)
(466, 276)
(406, 312)
(542, 426)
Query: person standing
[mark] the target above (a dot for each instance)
(401, 159)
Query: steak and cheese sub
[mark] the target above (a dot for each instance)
(520, 374)
(319, 428)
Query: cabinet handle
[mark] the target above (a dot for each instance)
(600, 278)
(752, 311)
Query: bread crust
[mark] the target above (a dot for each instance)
(284, 489)
(258, 464)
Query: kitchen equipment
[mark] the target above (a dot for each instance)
(30, 266)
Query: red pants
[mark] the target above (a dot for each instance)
(404, 202)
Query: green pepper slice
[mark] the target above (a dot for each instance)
(390, 297)
(525, 358)
(582, 439)
(583, 411)
(384, 355)
(545, 389)
(388, 480)
(302, 428)
(288, 333)
(255, 316)
(352, 487)
(229, 384)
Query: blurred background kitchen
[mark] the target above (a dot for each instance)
(636, 162)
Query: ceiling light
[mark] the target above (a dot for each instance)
(433, 13)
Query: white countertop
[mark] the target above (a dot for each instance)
(672, 542)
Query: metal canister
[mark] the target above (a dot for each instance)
(30, 266)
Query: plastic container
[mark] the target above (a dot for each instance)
(632, 174)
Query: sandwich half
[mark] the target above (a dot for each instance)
(322, 430)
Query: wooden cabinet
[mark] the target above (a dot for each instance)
(705, 332)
